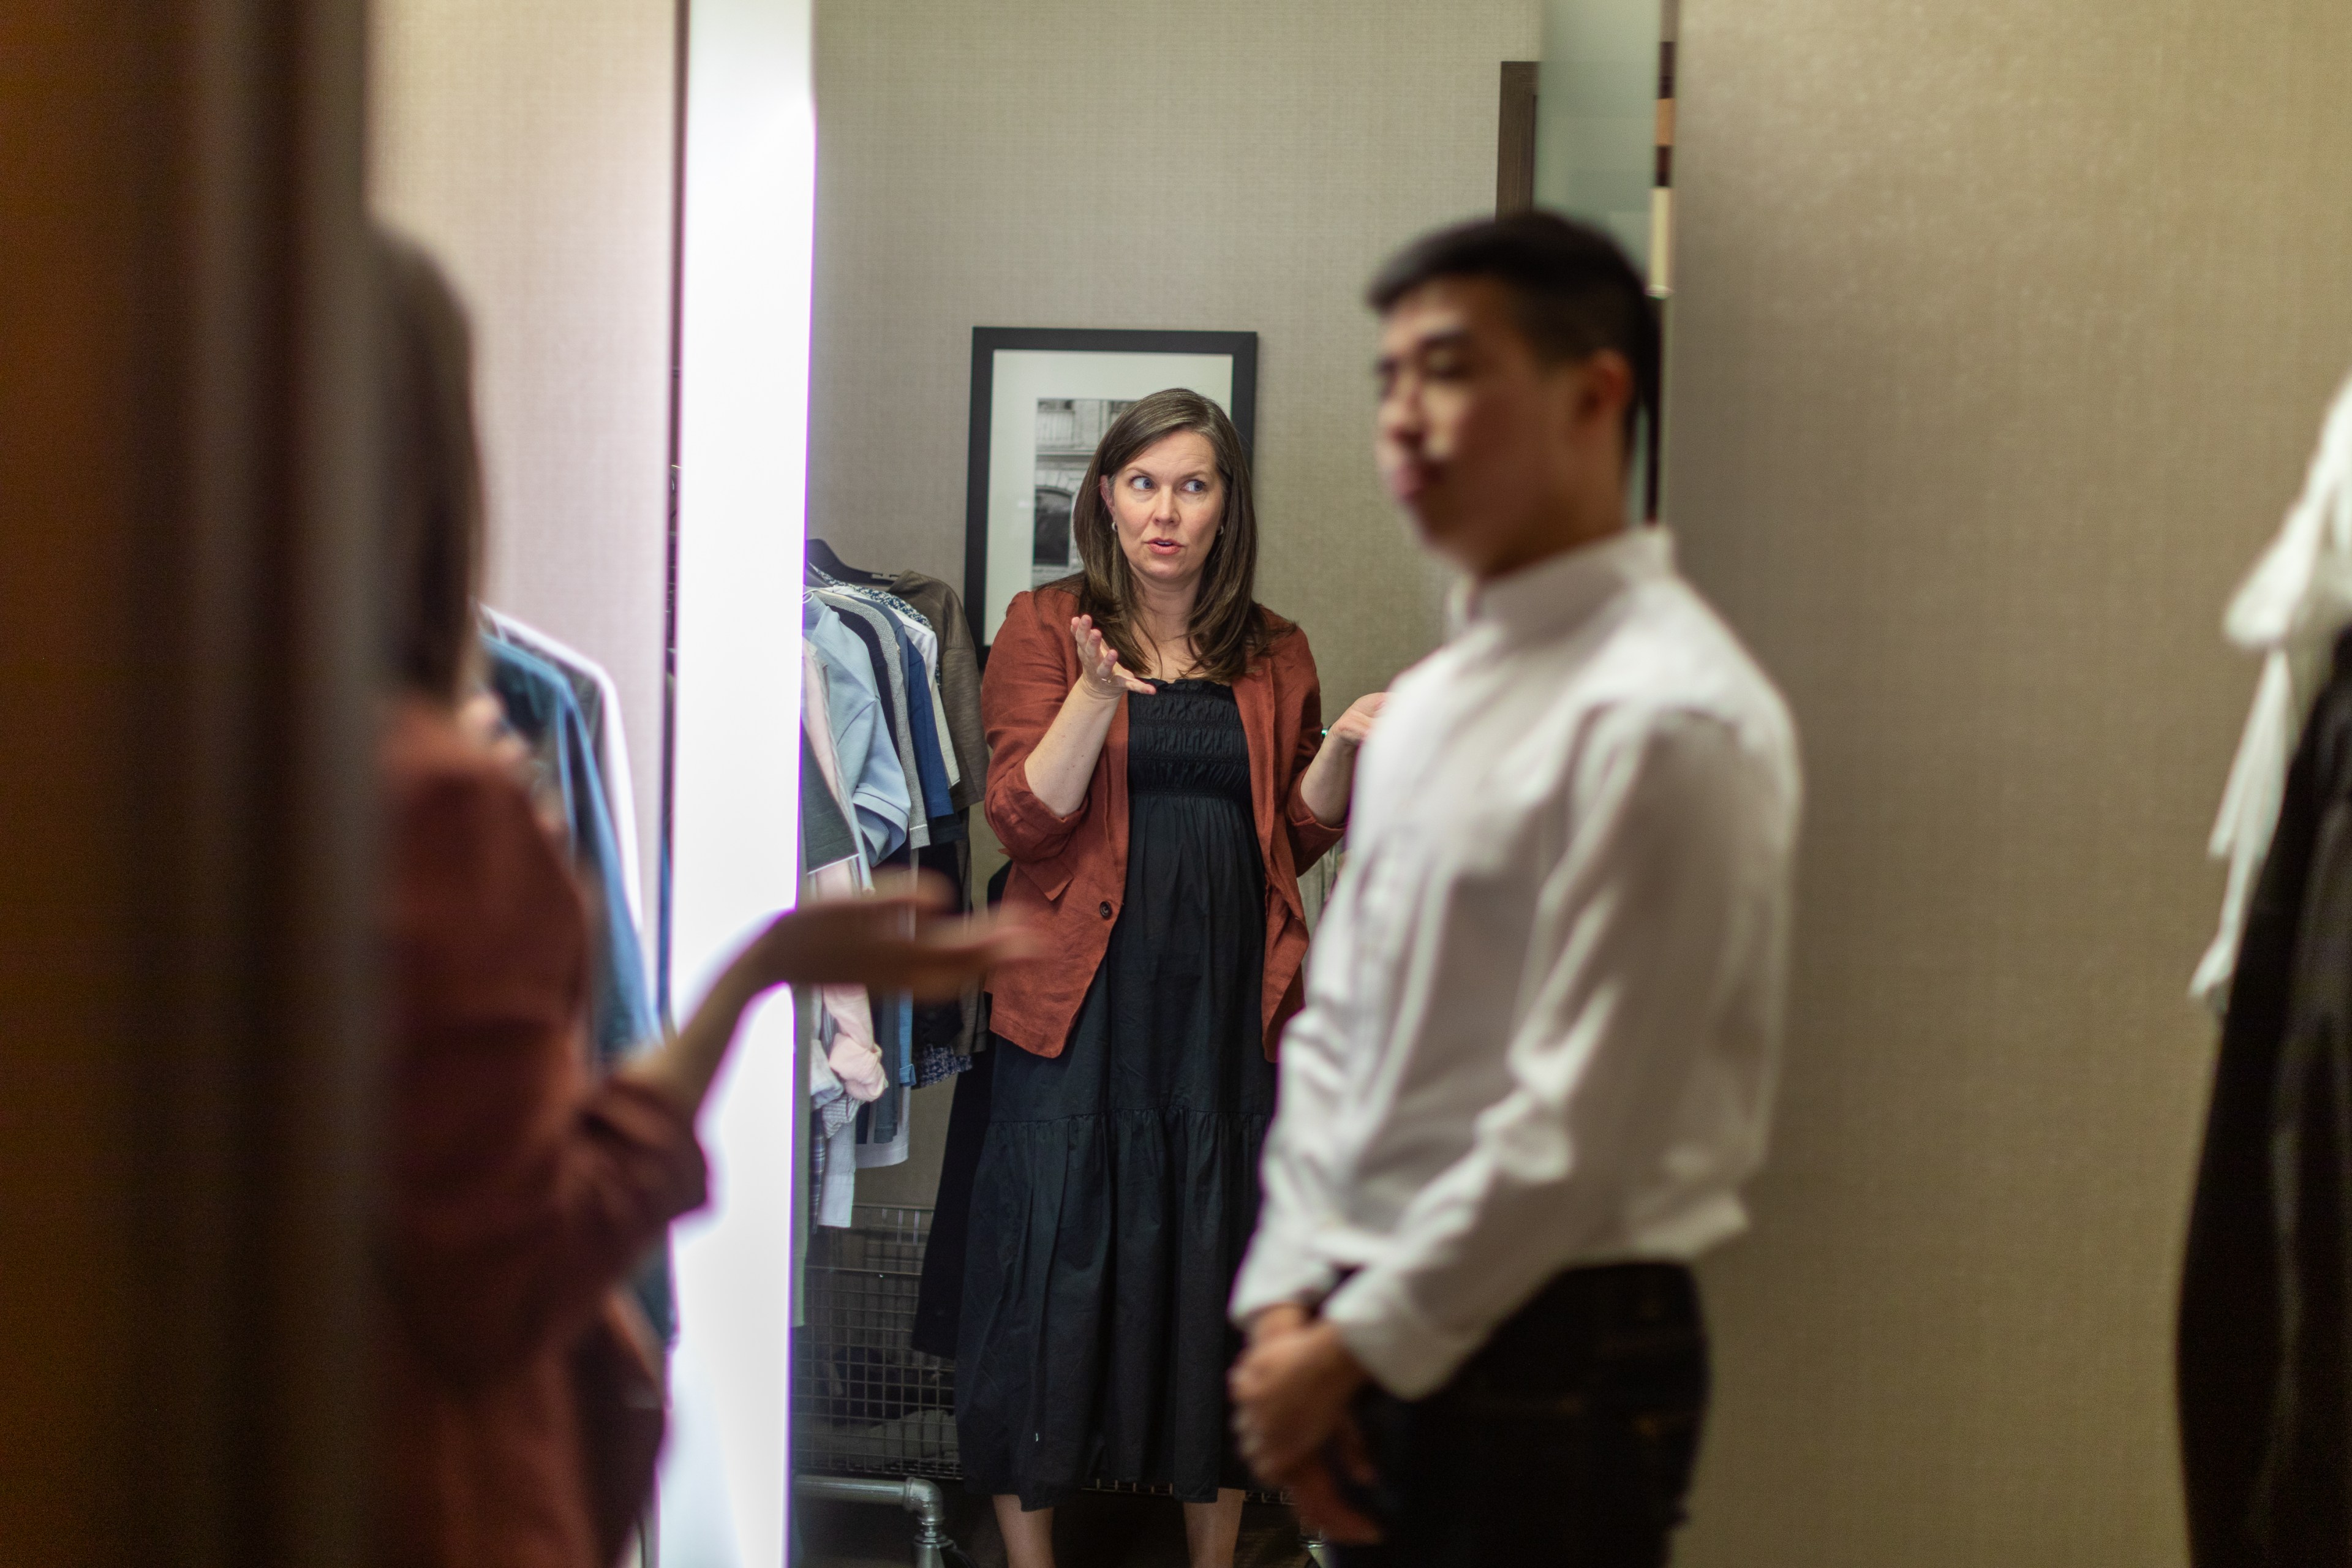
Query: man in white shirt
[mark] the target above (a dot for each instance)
(1538, 1048)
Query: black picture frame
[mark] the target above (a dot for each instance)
(987, 343)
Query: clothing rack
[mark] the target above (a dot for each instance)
(892, 761)
(565, 709)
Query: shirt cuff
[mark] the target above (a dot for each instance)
(1271, 1275)
(1405, 1353)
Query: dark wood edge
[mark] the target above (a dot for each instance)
(1515, 139)
(975, 487)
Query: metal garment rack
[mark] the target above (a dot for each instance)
(873, 1417)
(864, 1401)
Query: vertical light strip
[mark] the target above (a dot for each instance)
(750, 172)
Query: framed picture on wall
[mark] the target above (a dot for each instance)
(1041, 399)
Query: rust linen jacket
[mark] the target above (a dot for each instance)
(519, 1190)
(1069, 873)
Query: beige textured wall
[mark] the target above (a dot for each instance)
(1233, 165)
(528, 144)
(2003, 333)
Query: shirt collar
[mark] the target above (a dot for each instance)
(1562, 590)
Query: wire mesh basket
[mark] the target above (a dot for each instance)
(864, 1401)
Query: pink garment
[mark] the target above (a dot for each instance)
(854, 1057)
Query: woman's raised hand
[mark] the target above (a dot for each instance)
(1098, 667)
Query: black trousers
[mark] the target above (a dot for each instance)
(1567, 1441)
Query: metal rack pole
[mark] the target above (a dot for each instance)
(917, 1496)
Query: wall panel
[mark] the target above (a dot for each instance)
(2002, 334)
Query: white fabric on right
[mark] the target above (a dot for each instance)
(2290, 609)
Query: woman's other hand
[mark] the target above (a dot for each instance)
(1330, 780)
(1354, 727)
(1099, 671)
(899, 937)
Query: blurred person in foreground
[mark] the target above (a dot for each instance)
(1537, 1053)
(520, 1407)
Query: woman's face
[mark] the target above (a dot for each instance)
(1166, 504)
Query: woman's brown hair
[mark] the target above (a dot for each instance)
(432, 472)
(1228, 628)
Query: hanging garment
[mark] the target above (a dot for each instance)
(833, 1164)
(925, 728)
(921, 643)
(826, 837)
(958, 658)
(945, 1036)
(854, 1057)
(946, 1033)
(838, 1199)
(2265, 1314)
(600, 706)
(882, 1127)
(882, 1132)
(939, 1043)
(869, 764)
(929, 754)
(887, 649)
(959, 683)
(888, 672)
(540, 704)
(2298, 596)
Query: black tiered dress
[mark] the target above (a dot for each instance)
(1117, 1185)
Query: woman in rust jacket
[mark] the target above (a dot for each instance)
(1158, 776)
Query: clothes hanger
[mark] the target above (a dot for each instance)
(822, 560)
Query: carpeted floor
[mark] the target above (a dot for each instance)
(1094, 1530)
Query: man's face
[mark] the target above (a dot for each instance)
(1476, 439)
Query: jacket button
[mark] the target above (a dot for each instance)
(1106, 908)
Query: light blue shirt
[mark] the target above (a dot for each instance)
(861, 737)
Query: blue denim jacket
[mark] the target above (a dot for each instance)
(540, 704)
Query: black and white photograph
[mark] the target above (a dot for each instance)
(1041, 401)
(1069, 430)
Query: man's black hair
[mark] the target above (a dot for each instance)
(1574, 292)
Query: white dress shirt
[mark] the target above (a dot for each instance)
(1542, 1009)
(2290, 609)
